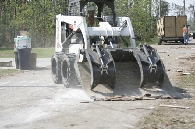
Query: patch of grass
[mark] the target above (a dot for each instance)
(187, 81)
(174, 118)
(153, 41)
(41, 52)
(171, 118)
(9, 72)
(7, 53)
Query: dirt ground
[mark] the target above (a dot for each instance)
(31, 100)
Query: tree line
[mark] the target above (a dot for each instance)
(38, 18)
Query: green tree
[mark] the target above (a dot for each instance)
(141, 16)
(35, 16)
(38, 18)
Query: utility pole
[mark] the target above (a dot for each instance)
(192, 16)
(159, 8)
(184, 7)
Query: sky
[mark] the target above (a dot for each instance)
(181, 3)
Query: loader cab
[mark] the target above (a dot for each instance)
(105, 11)
(102, 9)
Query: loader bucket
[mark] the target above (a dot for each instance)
(128, 70)
(150, 65)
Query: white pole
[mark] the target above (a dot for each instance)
(159, 8)
(184, 7)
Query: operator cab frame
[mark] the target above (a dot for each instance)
(73, 10)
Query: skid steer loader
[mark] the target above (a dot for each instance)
(105, 66)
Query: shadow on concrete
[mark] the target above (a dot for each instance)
(41, 68)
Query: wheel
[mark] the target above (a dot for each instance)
(182, 41)
(56, 68)
(68, 73)
(159, 41)
(65, 71)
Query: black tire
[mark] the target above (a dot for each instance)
(65, 71)
(56, 68)
(68, 73)
(182, 41)
(159, 41)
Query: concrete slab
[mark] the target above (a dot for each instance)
(5, 63)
